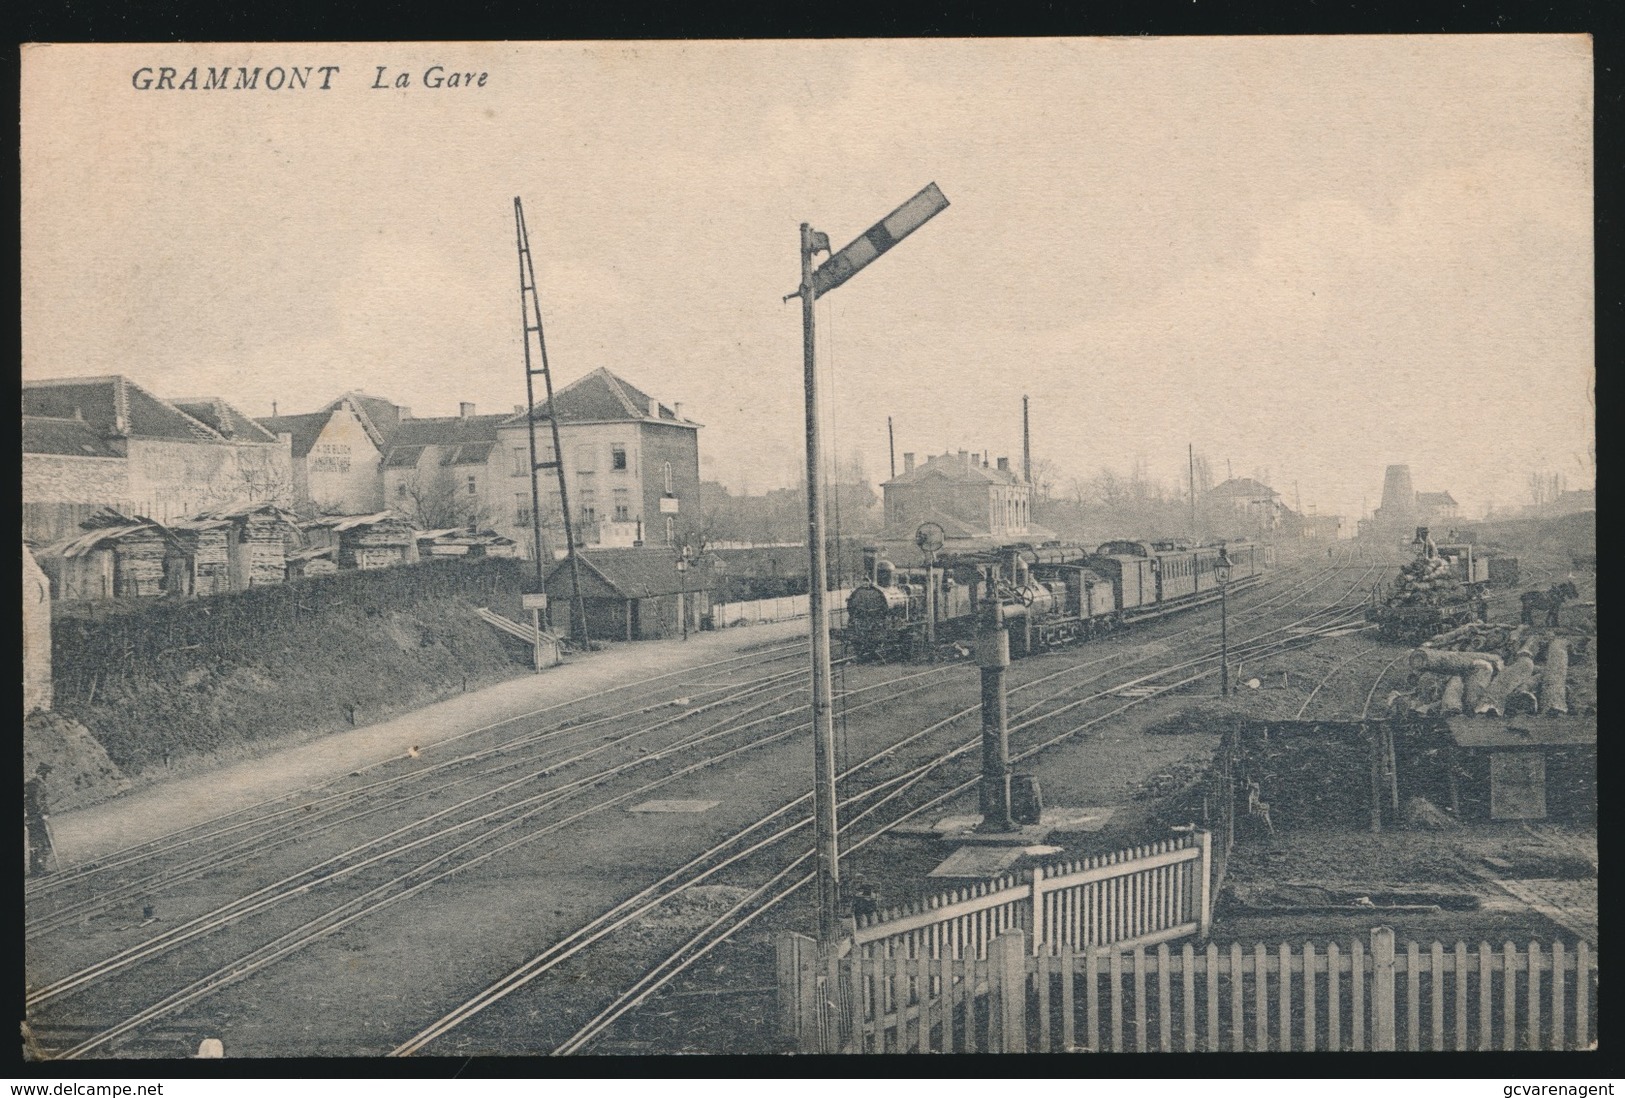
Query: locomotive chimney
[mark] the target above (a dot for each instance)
(908, 463)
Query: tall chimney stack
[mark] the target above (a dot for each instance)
(465, 410)
(1026, 445)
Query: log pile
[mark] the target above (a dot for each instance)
(1496, 670)
(1426, 581)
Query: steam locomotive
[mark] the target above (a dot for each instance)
(1050, 594)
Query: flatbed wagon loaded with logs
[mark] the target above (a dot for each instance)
(1442, 589)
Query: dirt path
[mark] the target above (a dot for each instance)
(157, 810)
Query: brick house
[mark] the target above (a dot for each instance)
(963, 495)
(446, 471)
(632, 466)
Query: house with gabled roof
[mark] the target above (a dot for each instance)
(440, 471)
(961, 493)
(337, 452)
(107, 441)
(631, 463)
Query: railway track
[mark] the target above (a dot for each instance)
(480, 839)
(890, 791)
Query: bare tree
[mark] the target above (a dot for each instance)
(434, 499)
(1045, 475)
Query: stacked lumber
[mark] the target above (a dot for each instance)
(1497, 670)
(263, 536)
(139, 567)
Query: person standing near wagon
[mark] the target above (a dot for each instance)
(36, 814)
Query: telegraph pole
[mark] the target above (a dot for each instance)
(1191, 448)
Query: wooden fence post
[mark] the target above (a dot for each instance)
(1382, 989)
(1008, 958)
(800, 1000)
(1204, 911)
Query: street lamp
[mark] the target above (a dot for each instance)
(1221, 570)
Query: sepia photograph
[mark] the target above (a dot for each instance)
(808, 547)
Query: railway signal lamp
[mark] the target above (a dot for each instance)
(1222, 570)
(834, 272)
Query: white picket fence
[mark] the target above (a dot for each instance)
(788, 608)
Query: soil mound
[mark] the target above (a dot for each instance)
(81, 773)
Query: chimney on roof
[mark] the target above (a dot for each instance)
(908, 463)
(654, 407)
(403, 412)
(677, 409)
(273, 407)
(1004, 465)
(518, 409)
(465, 410)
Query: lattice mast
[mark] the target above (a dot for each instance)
(530, 308)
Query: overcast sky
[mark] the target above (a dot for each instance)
(1316, 256)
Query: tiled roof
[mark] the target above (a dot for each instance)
(956, 468)
(602, 396)
(639, 573)
(467, 453)
(114, 406)
(378, 415)
(305, 429)
(1435, 499)
(403, 457)
(223, 418)
(74, 437)
(462, 440)
(1245, 487)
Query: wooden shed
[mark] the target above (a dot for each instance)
(121, 560)
(258, 543)
(1526, 768)
(464, 543)
(373, 541)
(202, 563)
(633, 594)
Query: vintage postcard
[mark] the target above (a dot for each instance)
(840, 546)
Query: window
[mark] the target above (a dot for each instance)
(585, 459)
(623, 505)
(665, 468)
(521, 508)
(589, 507)
(521, 461)
(671, 527)
(617, 457)
(400, 490)
(473, 486)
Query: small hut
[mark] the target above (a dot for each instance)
(117, 557)
(313, 560)
(374, 541)
(434, 544)
(258, 546)
(202, 563)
